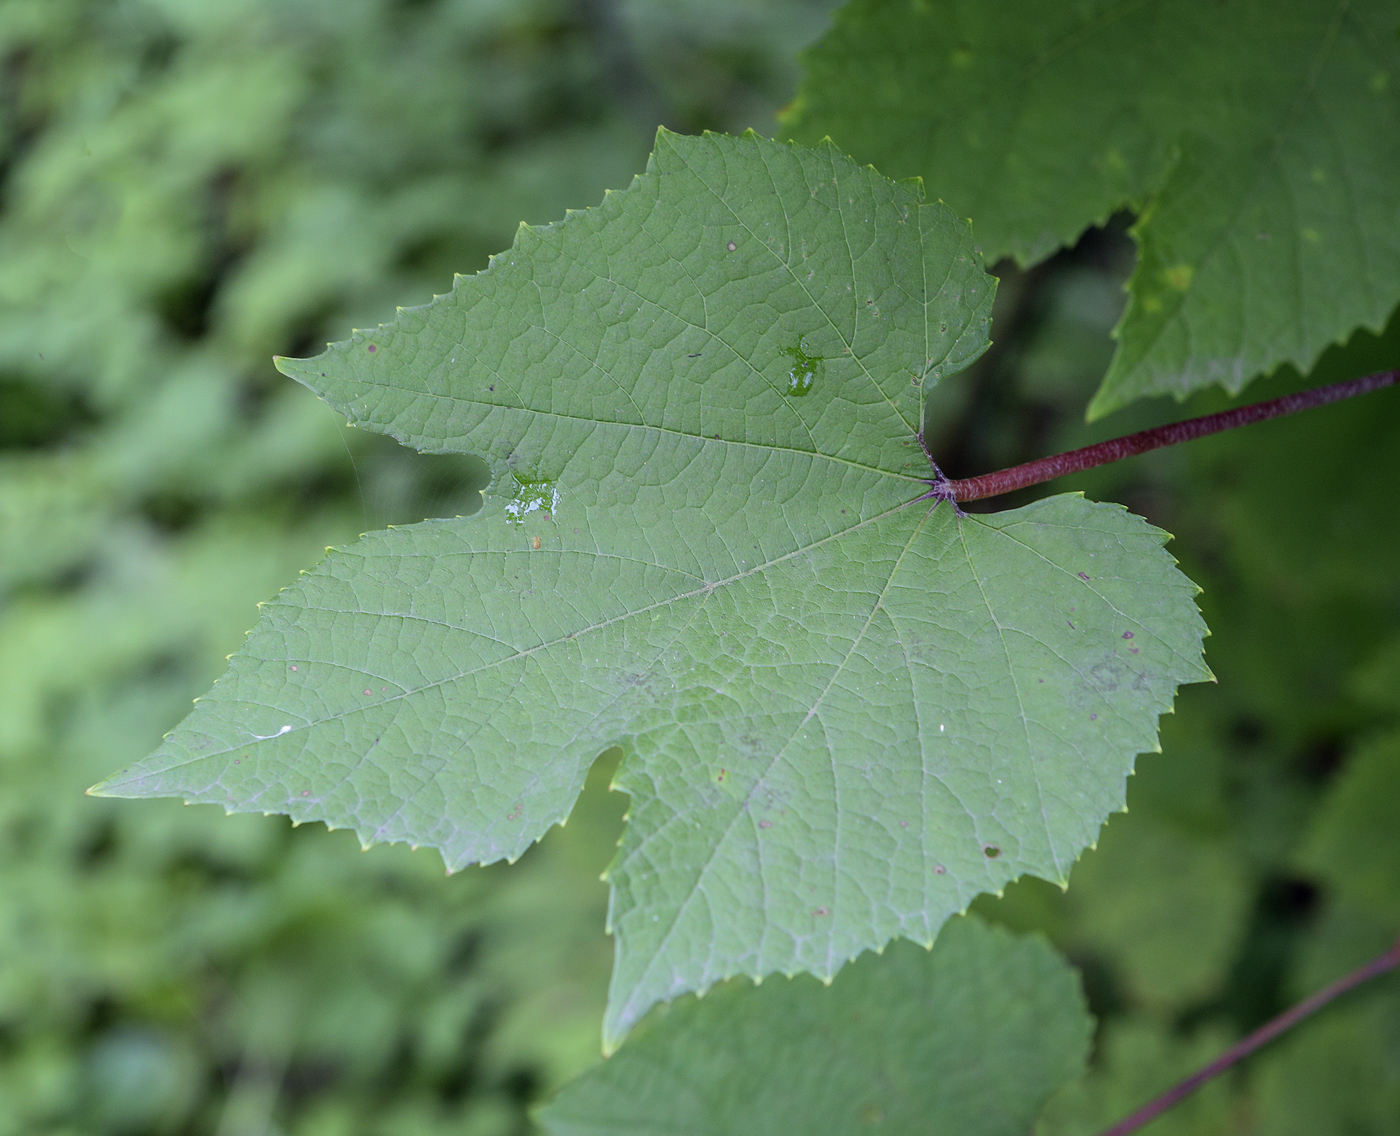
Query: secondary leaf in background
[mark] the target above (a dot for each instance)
(1259, 144)
(970, 1038)
(844, 713)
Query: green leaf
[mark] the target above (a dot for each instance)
(844, 711)
(969, 1038)
(1259, 145)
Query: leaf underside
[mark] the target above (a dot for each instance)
(1259, 144)
(844, 712)
(970, 1039)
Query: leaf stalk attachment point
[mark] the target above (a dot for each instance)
(1116, 449)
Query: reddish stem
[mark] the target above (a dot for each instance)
(1047, 469)
(1260, 1037)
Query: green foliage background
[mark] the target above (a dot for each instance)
(191, 186)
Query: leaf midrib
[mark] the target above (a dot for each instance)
(407, 438)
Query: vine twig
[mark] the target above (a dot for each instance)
(1115, 449)
(1266, 1033)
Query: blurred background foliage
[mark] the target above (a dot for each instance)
(190, 186)
(186, 188)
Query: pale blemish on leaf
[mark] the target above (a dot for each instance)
(531, 495)
(1178, 277)
(802, 372)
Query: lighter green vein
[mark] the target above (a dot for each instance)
(528, 651)
(1020, 702)
(742, 807)
(348, 405)
(796, 280)
(1114, 607)
(787, 403)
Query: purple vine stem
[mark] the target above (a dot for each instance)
(1115, 449)
(1266, 1033)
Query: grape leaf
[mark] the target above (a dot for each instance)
(845, 711)
(1259, 144)
(969, 1038)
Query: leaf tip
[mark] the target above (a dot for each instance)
(1106, 400)
(915, 185)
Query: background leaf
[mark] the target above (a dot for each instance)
(968, 1038)
(1258, 146)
